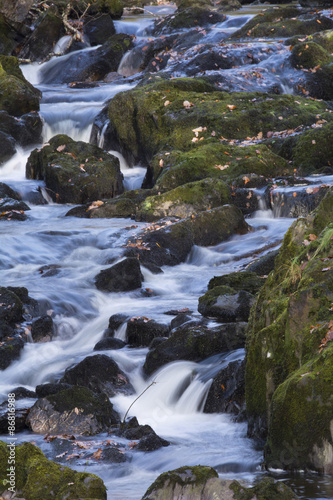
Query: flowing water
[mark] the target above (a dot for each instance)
(76, 250)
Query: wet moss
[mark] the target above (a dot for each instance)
(244, 280)
(314, 150)
(308, 55)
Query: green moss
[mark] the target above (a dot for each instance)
(308, 55)
(244, 280)
(314, 150)
(37, 477)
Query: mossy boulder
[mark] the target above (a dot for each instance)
(185, 18)
(242, 280)
(77, 410)
(225, 304)
(112, 7)
(308, 55)
(185, 200)
(75, 172)
(36, 477)
(320, 83)
(160, 118)
(217, 161)
(171, 244)
(11, 307)
(195, 343)
(289, 321)
(283, 22)
(17, 95)
(313, 150)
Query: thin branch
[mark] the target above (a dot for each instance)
(139, 396)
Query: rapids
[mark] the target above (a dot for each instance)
(77, 249)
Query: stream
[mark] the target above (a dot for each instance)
(79, 248)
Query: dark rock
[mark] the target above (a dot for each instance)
(6, 331)
(69, 177)
(113, 455)
(100, 374)
(195, 343)
(242, 280)
(16, 10)
(141, 331)
(22, 393)
(44, 390)
(226, 305)
(8, 204)
(10, 351)
(109, 343)
(6, 191)
(156, 342)
(7, 147)
(187, 18)
(227, 392)
(76, 410)
(151, 442)
(20, 418)
(115, 321)
(133, 430)
(42, 329)
(11, 307)
(264, 265)
(25, 131)
(122, 277)
(98, 28)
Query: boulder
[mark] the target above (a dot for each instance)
(264, 264)
(100, 374)
(44, 390)
(242, 280)
(141, 331)
(36, 477)
(75, 172)
(225, 304)
(11, 307)
(151, 442)
(109, 343)
(185, 19)
(195, 343)
(308, 55)
(16, 10)
(73, 411)
(98, 28)
(25, 131)
(42, 329)
(122, 277)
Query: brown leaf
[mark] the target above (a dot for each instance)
(326, 269)
(61, 148)
(97, 455)
(312, 237)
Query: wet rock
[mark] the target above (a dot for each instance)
(264, 265)
(8, 205)
(11, 307)
(115, 322)
(48, 29)
(22, 393)
(90, 66)
(286, 204)
(122, 277)
(131, 429)
(156, 342)
(25, 131)
(313, 151)
(151, 442)
(308, 55)
(75, 172)
(171, 244)
(187, 18)
(36, 477)
(112, 7)
(20, 418)
(227, 392)
(10, 351)
(109, 343)
(113, 455)
(98, 28)
(225, 304)
(195, 343)
(44, 390)
(242, 280)
(16, 10)
(100, 374)
(76, 410)
(42, 329)
(141, 331)
(7, 147)
(185, 200)
(6, 330)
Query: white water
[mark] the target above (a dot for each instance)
(79, 249)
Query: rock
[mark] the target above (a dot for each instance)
(5, 417)
(115, 322)
(73, 411)
(69, 177)
(185, 482)
(227, 392)
(187, 18)
(42, 329)
(44, 390)
(17, 95)
(7, 147)
(195, 343)
(25, 131)
(170, 245)
(242, 280)
(285, 204)
(112, 7)
(122, 277)
(11, 307)
(109, 343)
(23, 393)
(308, 161)
(89, 66)
(151, 442)
(141, 331)
(319, 84)
(226, 305)
(185, 200)
(264, 265)
(308, 55)
(36, 477)
(98, 28)
(113, 455)
(131, 429)
(100, 374)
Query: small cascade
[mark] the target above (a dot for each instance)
(131, 62)
(121, 332)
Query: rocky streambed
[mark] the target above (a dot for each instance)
(160, 307)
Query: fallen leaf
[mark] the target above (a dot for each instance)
(61, 148)
(326, 269)
(231, 106)
(161, 163)
(187, 104)
(95, 204)
(167, 103)
(312, 237)
(97, 455)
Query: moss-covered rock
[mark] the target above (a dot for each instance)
(313, 150)
(243, 280)
(225, 304)
(308, 55)
(288, 322)
(72, 411)
(185, 18)
(195, 343)
(320, 83)
(283, 22)
(36, 477)
(75, 172)
(162, 118)
(185, 200)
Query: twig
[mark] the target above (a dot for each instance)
(130, 406)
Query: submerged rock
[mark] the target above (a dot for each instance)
(72, 411)
(36, 477)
